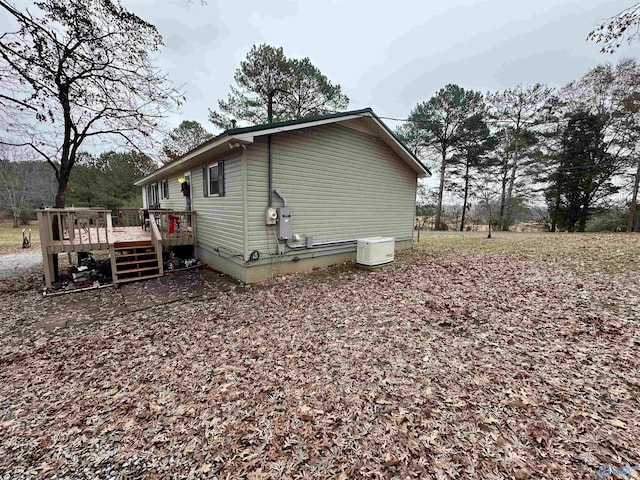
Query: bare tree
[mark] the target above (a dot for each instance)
(488, 202)
(25, 182)
(13, 183)
(438, 123)
(518, 109)
(612, 32)
(76, 72)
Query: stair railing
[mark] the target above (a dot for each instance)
(156, 239)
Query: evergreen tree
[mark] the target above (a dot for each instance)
(475, 142)
(184, 138)
(584, 173)
(439, 123)
(296, 87)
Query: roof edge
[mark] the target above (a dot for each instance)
(242, 135)
(208, 145)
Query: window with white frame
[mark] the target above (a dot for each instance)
(214, 180)
(152, 195)
(165, 189)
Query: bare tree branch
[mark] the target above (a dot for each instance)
(611, 32)
(80, 70)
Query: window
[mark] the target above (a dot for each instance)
(152, 195)
(214, 187)
(165, 189)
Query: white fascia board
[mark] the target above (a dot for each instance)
(162, 171)
(300, 126)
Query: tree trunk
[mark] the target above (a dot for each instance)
(443, 165)
(466, 196)
(584, 211)
(503, 191)
(556, 209)
(633, 206)
(63, 183)
(512, 181)
(582, 224)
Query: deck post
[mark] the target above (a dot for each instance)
(194, 233)
(47, 258)
(156, 238)
(112, 251)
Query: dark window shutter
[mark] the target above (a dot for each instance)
(205, 182)
(221, 178)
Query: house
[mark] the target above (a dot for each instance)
(292, 196)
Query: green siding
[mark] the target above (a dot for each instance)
(176, 200)
(340, 183)
(220, 219)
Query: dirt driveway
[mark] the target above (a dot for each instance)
(17, 264)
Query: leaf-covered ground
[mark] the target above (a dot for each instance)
(465, 359)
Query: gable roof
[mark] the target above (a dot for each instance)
(236, 137)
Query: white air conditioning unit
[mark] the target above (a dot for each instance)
(375, 250)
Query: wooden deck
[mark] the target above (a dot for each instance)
(94, 238)
(130, 234)
(66, 230)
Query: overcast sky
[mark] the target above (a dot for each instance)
(386, 55)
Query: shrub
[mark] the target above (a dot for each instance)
(26, 215)
(610, 221)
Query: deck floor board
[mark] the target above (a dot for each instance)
(88, 239)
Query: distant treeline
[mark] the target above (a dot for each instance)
(106, 180)
(569, 154)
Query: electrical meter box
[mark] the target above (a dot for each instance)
(284, 229)
(271, 217)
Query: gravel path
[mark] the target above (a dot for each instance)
(15, 264)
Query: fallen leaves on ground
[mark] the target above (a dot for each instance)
(474, 365)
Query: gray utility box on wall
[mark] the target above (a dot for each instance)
(284, 229)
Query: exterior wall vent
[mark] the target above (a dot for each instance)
(375, 250)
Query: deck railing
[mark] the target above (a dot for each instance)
(74, 229)
(66, 230)
(127, 217)
(156, 239)
(175, 227)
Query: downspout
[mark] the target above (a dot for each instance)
(279, 193)
(270, 141)
(269, 147)
(270, 170)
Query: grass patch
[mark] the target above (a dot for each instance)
(11, 238)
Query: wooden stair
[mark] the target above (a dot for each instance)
(132, 261)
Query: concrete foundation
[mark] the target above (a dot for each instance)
(291, 262)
